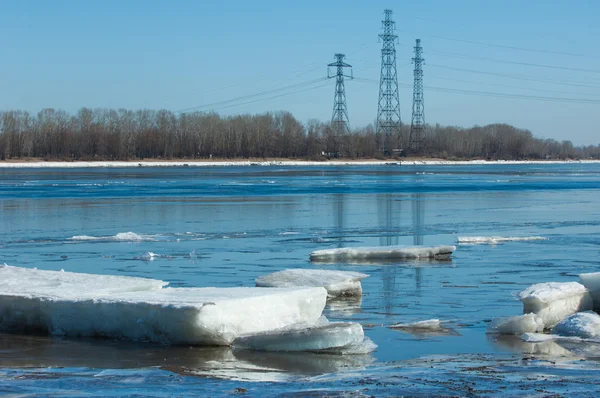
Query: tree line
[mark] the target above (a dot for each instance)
(109, 134)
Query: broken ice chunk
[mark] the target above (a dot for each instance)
(583, 324)
(592, 283)
(314, 338)
(358, 254)
(516, 325)
(429, 324)
(337, 283)
(554, 301)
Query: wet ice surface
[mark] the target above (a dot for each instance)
(228, 226)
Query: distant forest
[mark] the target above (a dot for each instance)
(108, 134)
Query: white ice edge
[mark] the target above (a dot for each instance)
(383, 253)
(542, 337)
(428, 324)
(192, 163)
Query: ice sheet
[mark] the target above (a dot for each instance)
(383, 253)
(583, 324)
(79, 305)
(554, 301)
(325, 336)
(516, 325)
(592, 283)
(494, 240)
(337, 283)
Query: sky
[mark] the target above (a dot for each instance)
(533, 64)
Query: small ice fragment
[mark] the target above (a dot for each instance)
(148, 256)
(537, 337)
(592, 283)
(554, 301)
(193, 254)
(583, 324)
(429, 324)
(383, 253)
(337, 283)
(314, 338)
(528, 323)
(128, 236)
(494, 240)
(366, 346)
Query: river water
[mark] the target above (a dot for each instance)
(225, 226)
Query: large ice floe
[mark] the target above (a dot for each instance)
(337, 283)
(583, 324)
(73, 304)
(516, 325)
(494, 240)
(554, 301)
(386, 253)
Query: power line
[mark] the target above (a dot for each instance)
(210, 105)
(503, 61)
(274, 96)
(497, 95)
(515, 76)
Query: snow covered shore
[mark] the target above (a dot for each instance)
(193, 163)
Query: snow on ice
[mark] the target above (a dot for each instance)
(382, 253)
(337, 283)
(554, 301)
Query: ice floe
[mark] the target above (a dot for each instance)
(516, 325)
(69, 304)
(494, 240)
(385, 253)
(583, 324)
(429, 324)
(554, 301)
(337, 283)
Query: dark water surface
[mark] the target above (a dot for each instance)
(225, 226)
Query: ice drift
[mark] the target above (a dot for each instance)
(140, 309)
(324, 336)
(592, 284)
(528, 323)
(583, 324)
(554, 301)
(382, 253)
(337, 283)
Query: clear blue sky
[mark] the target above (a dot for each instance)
(181, 54)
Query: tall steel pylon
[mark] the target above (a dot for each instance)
(417, 125)
(339, 119)
(388, 112)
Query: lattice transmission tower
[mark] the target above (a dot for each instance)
(417, 125)
(388, 112)
(339, 119)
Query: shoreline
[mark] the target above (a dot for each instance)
(27, 163)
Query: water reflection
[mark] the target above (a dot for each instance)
(41, 351)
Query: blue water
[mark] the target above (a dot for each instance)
(224, 226)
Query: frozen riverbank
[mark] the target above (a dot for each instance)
(202, 163)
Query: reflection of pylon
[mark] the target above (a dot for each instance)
(339, 119)
(417, 125)
(388, 112)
